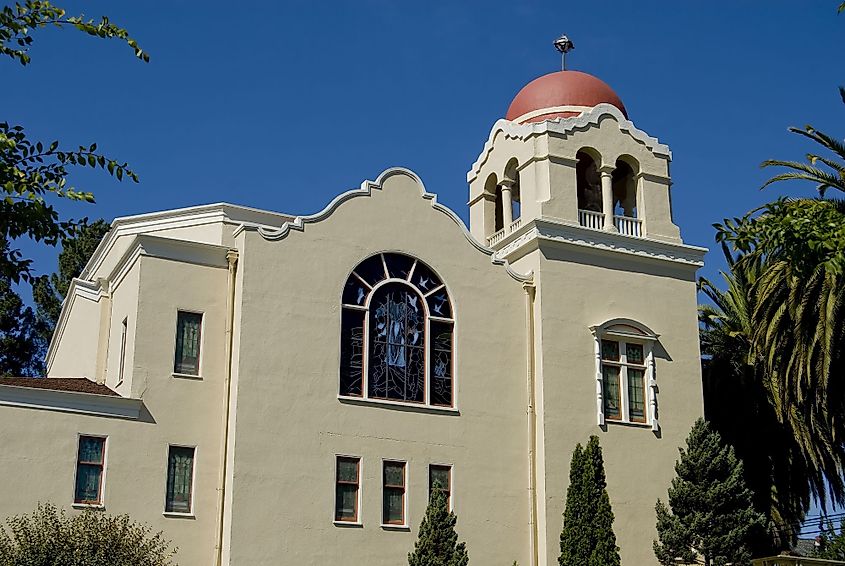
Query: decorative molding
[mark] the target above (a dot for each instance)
(550, 110)
(566, 126)
(180, 218)
(299, 223)
(572, 234)
(70, 402)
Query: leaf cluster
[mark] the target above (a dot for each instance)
(18, 22)
(437, 543)
(712, 515)
(48, 537)
(831, 545)
(587, 538)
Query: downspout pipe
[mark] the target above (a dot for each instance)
(232, 259)
(530, 293)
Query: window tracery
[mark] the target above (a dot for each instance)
(397, 333)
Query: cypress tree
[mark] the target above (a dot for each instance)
(712, 518)
(587, 537)
(437, 544)
(604, 551)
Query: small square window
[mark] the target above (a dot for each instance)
(393, 493)
(90, 460)
(180, 479)
(188, 341)
(346, 489)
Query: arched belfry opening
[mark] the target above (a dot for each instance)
(509, 189)
(624, 183)
(491, 187)
(588, 186)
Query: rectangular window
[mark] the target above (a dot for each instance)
(188, 335)
(440, 479)
(123, 327)
(346, 489)
(90, 460)
(393, 492)
(623, 368)
(180, 479)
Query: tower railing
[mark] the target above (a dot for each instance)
(590, 219)
(628, 226)
(500, 235)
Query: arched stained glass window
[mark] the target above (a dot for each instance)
(397, 333)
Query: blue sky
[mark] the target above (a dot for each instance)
(283, 105)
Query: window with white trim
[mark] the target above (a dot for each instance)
(397, 333)
(625, 385)
(90, 469)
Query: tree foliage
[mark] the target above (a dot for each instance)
(738, 405)
(48, 537)
(831, 545)
(32, 171)
(48, 292)
(437, 543)
(20, 336)
(712, 516)
(587, 537)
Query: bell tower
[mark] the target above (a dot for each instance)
(568, 153)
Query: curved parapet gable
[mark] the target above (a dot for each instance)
(298, 223)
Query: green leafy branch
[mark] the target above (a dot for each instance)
(17, 23)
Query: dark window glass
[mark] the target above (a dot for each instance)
(188, 329)
(438, 305)
(612, 407)
(346, 492)
(440, 478)
(610, 350)
(371, 269)
(352, 352)
(89, 470)
(393, 505)
(355, 291)
(634, 354)
(397, 344)
(424, 279)
(636, 395)
(398, 265)
(180, 479)
(441, 363)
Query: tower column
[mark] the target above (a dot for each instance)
(607, 198)
(507, 202)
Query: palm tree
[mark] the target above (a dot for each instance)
(738, 404)
(833, 176)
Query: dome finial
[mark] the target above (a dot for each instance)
(564, 45)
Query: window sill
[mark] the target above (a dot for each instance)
(95, 506)
(628, 423)
(186, 376)
(348, 524)
(176, 515)
(389, 527)
(398, 405)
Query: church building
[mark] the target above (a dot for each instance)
(272, 389)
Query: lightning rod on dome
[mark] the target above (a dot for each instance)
(564, 45)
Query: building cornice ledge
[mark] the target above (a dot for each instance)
(545, 229)
(298, 223)
(566, 126)
(71, 402)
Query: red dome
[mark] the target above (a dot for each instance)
(557, 90)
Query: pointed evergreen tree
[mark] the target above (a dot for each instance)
(604, 551)
(587, 537)
(575, 539)
(437, 544)
(712, 518)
